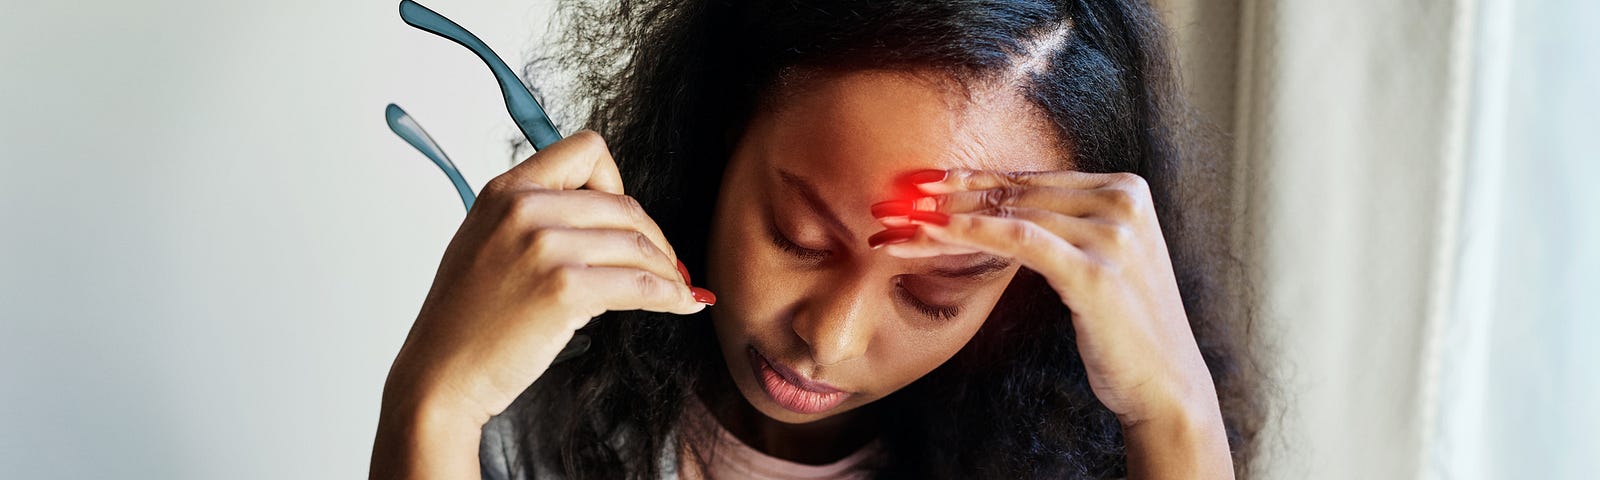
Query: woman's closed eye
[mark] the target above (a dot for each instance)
(812, 255)
(937, 312)
(932, 311)
(783, 243)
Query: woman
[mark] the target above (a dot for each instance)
(956, 239)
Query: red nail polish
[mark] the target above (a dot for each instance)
(935, 218)
(926, 176)
(892, 235)
(892, 208)
(703, 296)
(684, 270)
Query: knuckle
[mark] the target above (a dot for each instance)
(494, 188)
(1011, 193)
(501, 187)
(1093, 272)
(963, 177)
(541, 243)
(1022, 234)
(588, 139)
(989, 199)
(1098, 272)
(643, 245)
(631, 208)
(562, 284)
(646, 285)
(1011, 178)
(591, 145)
(1131, 180)
(1117, 234)
(1022, 177)
(1121, 202)
(521, 205)
(998, 197)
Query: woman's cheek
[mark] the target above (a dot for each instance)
(749, 294)
(907, 353)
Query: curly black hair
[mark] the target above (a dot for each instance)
(670, 84)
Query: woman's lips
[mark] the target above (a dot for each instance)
(791, 390)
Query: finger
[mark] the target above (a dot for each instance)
(1085, 233)
(958, 179)
(909, 242)
(1064, 264)
(1064, 200)
(585, 209)
(620, 289)
(600, 248)
(580, 160)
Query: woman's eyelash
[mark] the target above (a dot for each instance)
(935, 311)
(783, 243)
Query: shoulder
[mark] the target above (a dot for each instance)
(505, 438)
(508, 435)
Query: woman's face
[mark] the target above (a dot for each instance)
(811, 320)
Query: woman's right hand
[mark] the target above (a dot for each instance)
(535, 259)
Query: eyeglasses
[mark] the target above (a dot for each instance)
(525, 112)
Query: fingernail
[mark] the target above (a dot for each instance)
(935, 218)
(892, 235)
(926, 176)
(703, 296)
(892, 208)
(895, 221)
(684, 270)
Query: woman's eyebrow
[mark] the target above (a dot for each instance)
(986, 266)
(808, 193)
(983, 269)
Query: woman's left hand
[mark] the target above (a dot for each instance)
(1096, 239)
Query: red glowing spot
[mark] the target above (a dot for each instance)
(905, 188)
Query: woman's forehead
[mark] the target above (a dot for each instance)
(860, 130)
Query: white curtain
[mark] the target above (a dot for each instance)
(1515, 387)
(1412, 180)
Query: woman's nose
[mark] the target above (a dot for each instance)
(836, 324)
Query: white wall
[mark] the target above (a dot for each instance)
(210, 244)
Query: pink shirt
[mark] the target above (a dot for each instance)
(732, 459)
